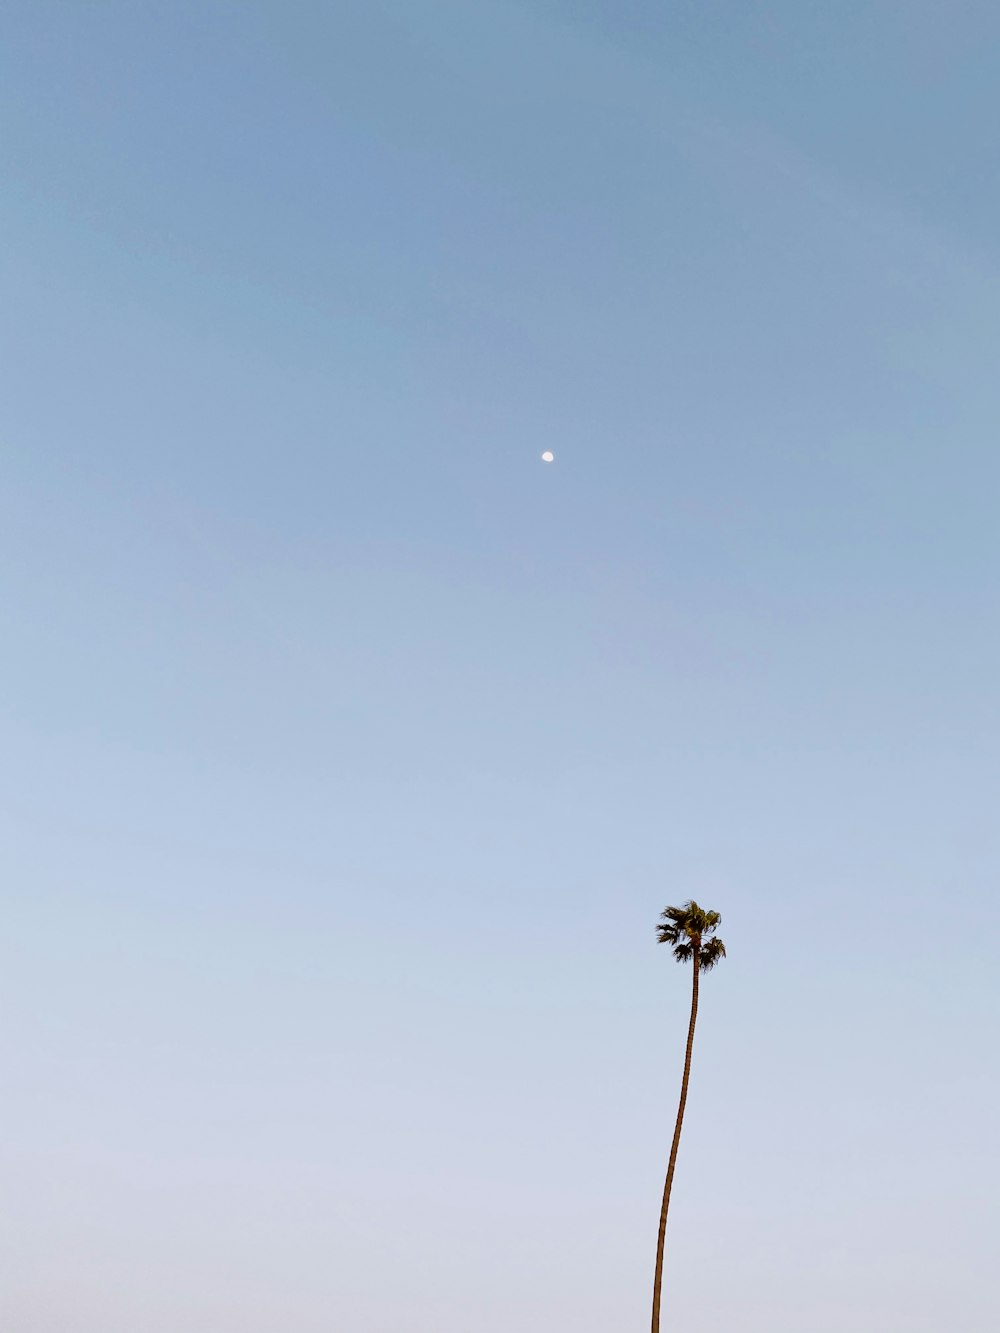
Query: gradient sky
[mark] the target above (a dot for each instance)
(350, 752)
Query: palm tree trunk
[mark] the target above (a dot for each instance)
(658, 1278)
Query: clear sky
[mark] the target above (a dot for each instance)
(350, 751)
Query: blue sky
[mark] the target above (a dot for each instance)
(351, 751)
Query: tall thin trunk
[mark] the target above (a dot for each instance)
(658, 1278)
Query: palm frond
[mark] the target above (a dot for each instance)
(687, 929)
(711, 954)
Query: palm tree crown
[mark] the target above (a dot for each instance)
(690, 931)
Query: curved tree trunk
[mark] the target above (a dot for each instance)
(658, 1278)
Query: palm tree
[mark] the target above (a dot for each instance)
(690, 931)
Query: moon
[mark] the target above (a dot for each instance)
(548, 456)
